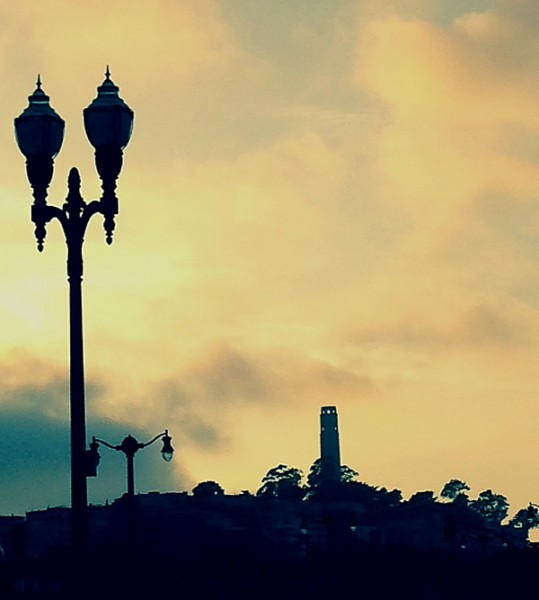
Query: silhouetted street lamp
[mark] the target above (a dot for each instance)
(39, 130)
(130, 446)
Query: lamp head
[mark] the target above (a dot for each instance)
(92, 458)
(167, 450)
(108, 120)
(39, 129)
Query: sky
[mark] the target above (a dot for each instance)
(323, 203)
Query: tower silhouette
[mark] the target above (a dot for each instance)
(330, 452)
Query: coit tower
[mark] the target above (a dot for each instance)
(330, 452)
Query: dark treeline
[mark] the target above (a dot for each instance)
(291, 539)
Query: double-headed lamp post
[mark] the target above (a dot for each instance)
(39, 130)
(130, 446)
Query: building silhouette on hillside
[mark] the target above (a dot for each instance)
(330, 452)
(333, 541)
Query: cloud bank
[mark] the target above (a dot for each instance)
(330, 206)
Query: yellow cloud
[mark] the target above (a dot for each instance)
(381, 263)
(454, 110)
(152, 41)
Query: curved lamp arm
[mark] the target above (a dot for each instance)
(130, 445)
(157, 437)
(99, 441)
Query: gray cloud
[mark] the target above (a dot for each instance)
(199, 405)
(230, 376)
(202, 397)
(478, 327)
(524, 11)
(34, 442)
(187, 414)
(484, 326)
(35, 464)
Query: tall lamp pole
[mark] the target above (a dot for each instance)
(39, 131)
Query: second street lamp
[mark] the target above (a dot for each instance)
(39, 132)
(130, 446)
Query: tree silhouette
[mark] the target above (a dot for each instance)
(455, 488)
(389, 498)
(422, 500)
(207, 489)
(282, 482)
(526, 518)
(348, 475)
(494, 508)
(315, 475)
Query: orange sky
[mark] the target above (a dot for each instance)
(322, 203)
